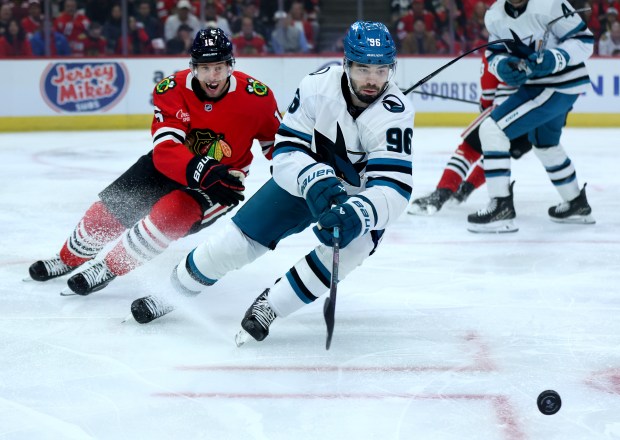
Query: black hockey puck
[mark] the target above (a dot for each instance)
(549, 402)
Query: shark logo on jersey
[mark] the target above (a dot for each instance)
(208, 143)
(335, 155)
(521, 48)
(393, 104)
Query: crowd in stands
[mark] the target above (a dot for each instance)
(91, 28)
(424, 27)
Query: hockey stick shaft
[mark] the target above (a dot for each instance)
(435, 95)
(445, 66)
(543, 43)
(329, 308)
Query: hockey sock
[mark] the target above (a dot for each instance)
(97, 228)
(458, 167)
(170, 219)
(560, 170)
(476, 177)
(496, 149)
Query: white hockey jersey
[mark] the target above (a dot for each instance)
(527, 27)
(371, 152)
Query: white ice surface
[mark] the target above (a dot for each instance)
(442, 334)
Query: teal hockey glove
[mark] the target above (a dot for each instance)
(321, 188)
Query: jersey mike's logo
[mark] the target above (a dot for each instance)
(208, 143)
(84, 87)
(393, 104)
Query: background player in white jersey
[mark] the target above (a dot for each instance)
(463, 172)
(193, 175)
(345, 141)
(550, 73)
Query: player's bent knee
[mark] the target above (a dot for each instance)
(175, 213)
(226, 251)
(491, 136)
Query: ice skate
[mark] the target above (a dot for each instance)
(430, 204)
(44, 270)
(497, 217)
(257, 320)
(462, 194)
(574, 211)
(90, 280)
(149, 308)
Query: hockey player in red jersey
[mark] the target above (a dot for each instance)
(464, 172)
(205, 121)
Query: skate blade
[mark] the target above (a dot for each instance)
(67, 292)
(27, 280)
(242, 337)
(418, 210)
(127, 318)
(576, 220)
(500, 227)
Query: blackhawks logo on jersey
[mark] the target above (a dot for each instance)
(165, 84)
(257, 88)
(208, 143)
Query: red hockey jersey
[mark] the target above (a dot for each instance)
(185, 126)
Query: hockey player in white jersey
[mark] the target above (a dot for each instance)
(548, 67)
(342, 157)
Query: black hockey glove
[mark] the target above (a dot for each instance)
(216, 180)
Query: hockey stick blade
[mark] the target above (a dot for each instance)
(329, 308)
(445, 66)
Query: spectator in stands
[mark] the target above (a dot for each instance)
(298, 17)
(73, 24)
(420, 41)
(138, 42)
(112, 28)
(475, 31)
(183, 15)
(469, 6)
(417, 12)
(33, 21)
(399, 8)
(95, 44)
(14, 42)
(98, 10)
(59, 45)
(450, 43)
(286, 38)
(6, 14)
(589, 17)
(611, 17)
(609, 43)
(250, 10)
(182, 42)
(213, 18)
(152, 26)
(248, 42)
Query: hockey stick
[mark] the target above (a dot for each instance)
(543, 42)
(329, 308)
(434, 95)
(545, 38)
(445, 66)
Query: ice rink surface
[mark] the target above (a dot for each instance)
(442, 334)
